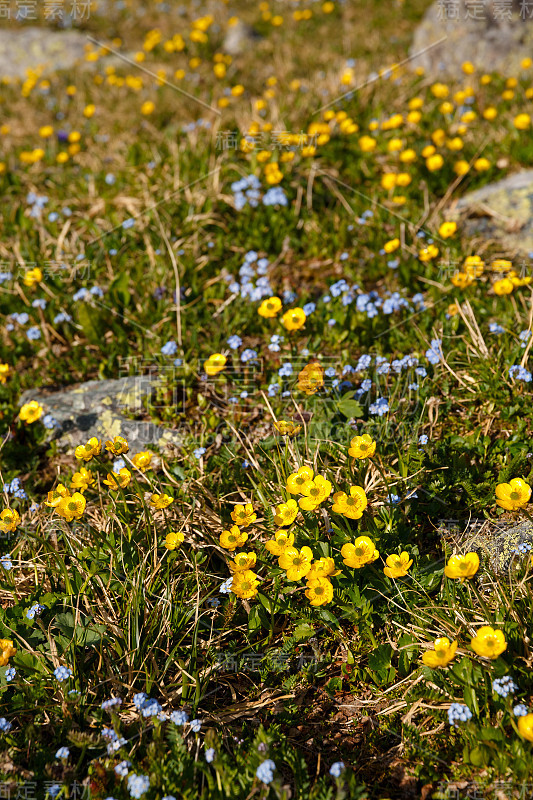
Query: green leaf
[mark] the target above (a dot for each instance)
(350, 408)
(91, 323)
(303, 631)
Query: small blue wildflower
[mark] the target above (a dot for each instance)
(520, 710)
(265, 771)
(210, 755)
(504, 686)
(248, 355)
(423, 439)
(122, 769)
(179, 717)
(49, 422)
(458, 713)
(138, 785)
(39, 303)
(225, 588)
(196, 724)
(5, 726)
(62, 673)
(10, 673)
(495, 328)
(170, 348)
(128, 223)
(308, 308)
(33, 333)
(337, 769)
(234, 342)
(113, 701)
(63, 752)
(199, 452)
(6, 562)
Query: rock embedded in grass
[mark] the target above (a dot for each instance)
(501, 546)
(99, 408)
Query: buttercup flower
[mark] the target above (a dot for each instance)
(244, 515)
(243, 561)
(89, 450)
(462, 567)
(82, 480)
(286, 513)
(397, 566)
(294, 319)
(362, 446)
(319, 591)
(56, 495)
(443, 652)
(315, 491)
(160, 501)
(32, 277)
(71, 507)
(31, 412)
(117, 446)
(447, 229)
(488, 642)
(282, 540)
(525, 726)
(352, 505)
(287, 428)
(9, 519)
(5, 369)
(245, 584)
(513, 495)
(311, 378)
(233, 538)
(174, 539)
(297, 563)
(118, 479)
(215, 364)
(270, 308)
(322, 568)
(142, 460)
(296, 480)
(361, 552)
(6, 651)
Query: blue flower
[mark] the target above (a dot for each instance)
(138, 785)
(53, 790)
(308, 308)
(504, 686)
(234, 342)
(5, 726)
(49, 422)
(248, 355)
(10, 673)
(122, 769)
(210, 755)
(265, 771)
(520, 373)
(113, 701)
(128, 223)
(6, 562)
(285, 370)
(196, 724)
(179, 717)
(458, 713)
(520, 710)
(495, 328)
(170, 348)
(199, 452)
(39, 303)
(225, 588)
(337, 769)
(63, 752)
(63, 673)
(423, 439)
(273, 389)
(33, 333)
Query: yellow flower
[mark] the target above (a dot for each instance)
(447, 229)
(282, 540)
(481, 164)
(32, 277)
(391, 245)
(142, 460)
(389, 180)
(473, 266)
(244, 584)
(233, 538)
(174, 539)
(504, 286)
(434, 162)
(397, 566)
(118, 479)
(118, 446)
(440, 90)
(160, 501)
(319, 591)
(89, 450)
(297, 563)
(56, 495)
(71, 507)
(427, 253)
(294, 319)
(9, 519)
(311, 378)
(513, 495)
(362, 446)
(501, 265)
(30, 412)
(243, 561)
(287, 428)
(322, 568)
(243, 515)
(452, 310)
(5, 369)
(352, 505)
(361, 552)
(82, 480)
(525, 727)
(522, 122)
(270, 307)
(7, 650)
(46, 131)
(490, 113)
(147, 107)
(215, 364)
(367, 144)
(443, 652)
(462, 567)
(461, 167)
(315, 491)
(286, 513)
(461, 280)
(297, 479)
(88, 111)
(488, 642)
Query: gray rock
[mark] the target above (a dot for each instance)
(29, 48)
(494, 36)
(96, 408)
(239, 38)
(501, 211)
(501, 546)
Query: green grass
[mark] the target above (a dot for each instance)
(270, 677)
